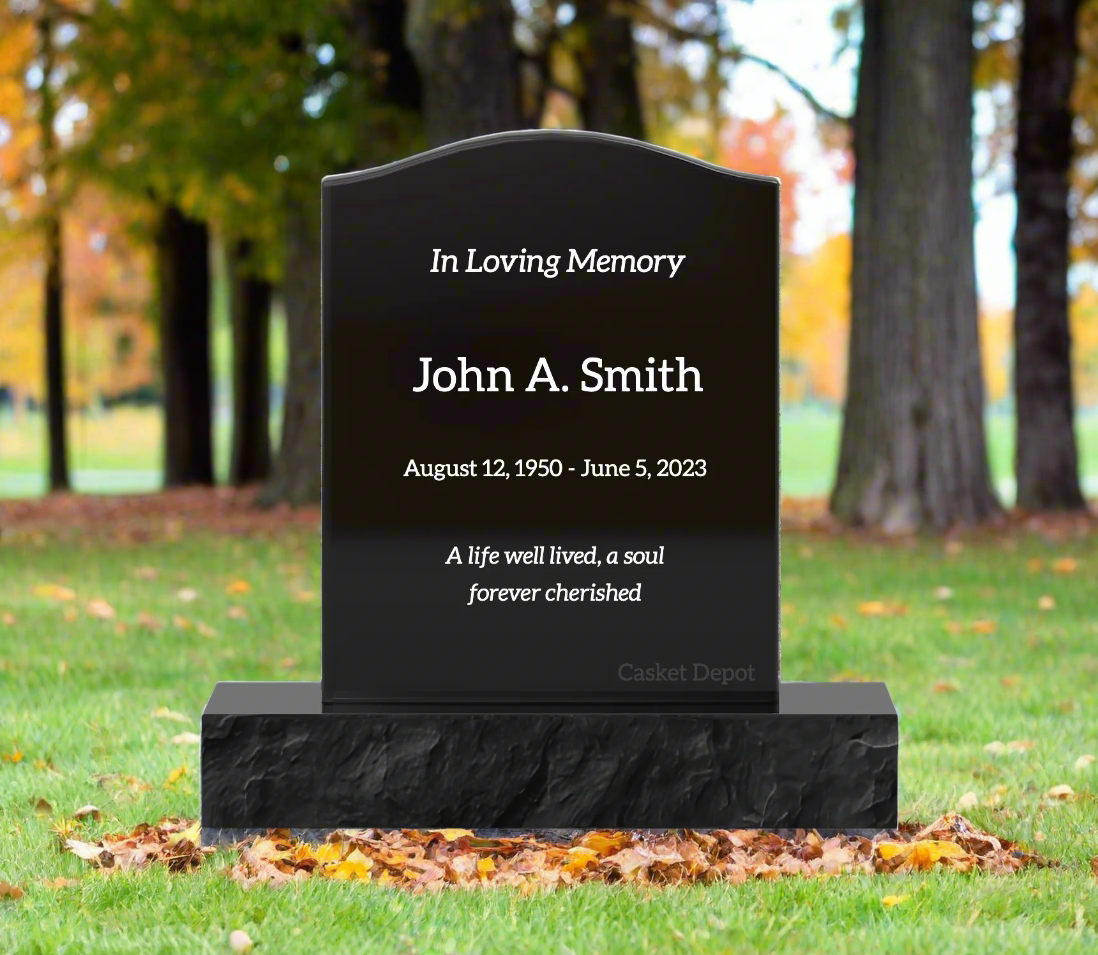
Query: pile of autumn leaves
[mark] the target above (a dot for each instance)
(429, 860)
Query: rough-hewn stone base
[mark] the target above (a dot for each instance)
(272, 758)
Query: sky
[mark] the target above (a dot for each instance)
(798, 36)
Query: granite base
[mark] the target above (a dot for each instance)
(272, 757)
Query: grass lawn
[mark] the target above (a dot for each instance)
(77, 694)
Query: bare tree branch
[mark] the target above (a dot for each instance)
(821, 111)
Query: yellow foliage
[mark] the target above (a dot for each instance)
(816, 322)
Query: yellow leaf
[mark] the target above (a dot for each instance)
(449, 835)
(1063, 791)
(881, 608)
(163, 713)
(13, 757)
(175, 775)
(604, 843)
(328, 852)
(1065, 565)
(485, 865)
(984, 626)
(54, 592)
(579, 857)
(355, 866)
(238, 587)
(1046, 602)
(889, 850)
(968, 801)
(892, 900)
(1084, 761)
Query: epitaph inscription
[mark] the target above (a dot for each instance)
(550, 427)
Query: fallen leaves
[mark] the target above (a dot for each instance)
(9, 891)
(54, 592)
(101, 609)
(172, 842)
(163, 713)
(1084, 762)
(881, 608)
(1065, 565)
(889, 901)
(186, 739)
(1062, 792)
(432, 860)
(237, 587)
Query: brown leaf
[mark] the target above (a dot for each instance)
(9, 891)
(101, 609)
(87, 812)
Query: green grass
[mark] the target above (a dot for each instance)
(76, 697)
(120, 451)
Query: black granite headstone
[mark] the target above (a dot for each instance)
(551, 427)
(550, 531)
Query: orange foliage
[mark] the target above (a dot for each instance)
(762, 148)
(110, 338)
(816, 323)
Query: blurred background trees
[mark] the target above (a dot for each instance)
(159, 220)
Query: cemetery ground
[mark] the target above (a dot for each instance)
(116, 620)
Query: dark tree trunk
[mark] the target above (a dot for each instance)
(296, 475)
(469, 66)
(251, 319)
(183, 271)
(56, 403)
(386, 86)
(607, 56)
(1046, 459)
(913, 452)
(387, 91)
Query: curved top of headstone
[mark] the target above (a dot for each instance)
(526, 136)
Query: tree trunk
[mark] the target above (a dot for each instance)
(913, 452)
(607, 57)
(384, 75)
(469, 66)
(296, 475)
(56, 403)
(1046, 459)
(251, 320)
(183, 272)
(387, 93)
